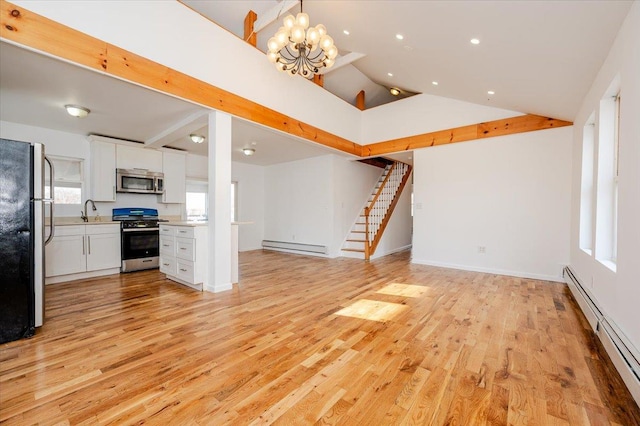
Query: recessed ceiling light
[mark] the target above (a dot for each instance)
(491, 92)
(435, 83)
(394, 91)
(248, 151)
(399, 36)
(195, 138)
(475, 41)
(77, 111)
(346, 32)
(390, 74)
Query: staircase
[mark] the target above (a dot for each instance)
(367, 230)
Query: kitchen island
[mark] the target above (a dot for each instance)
(184, 253)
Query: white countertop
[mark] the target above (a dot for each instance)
(183, 223)
(76, 222)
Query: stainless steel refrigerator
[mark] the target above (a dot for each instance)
(22, 237)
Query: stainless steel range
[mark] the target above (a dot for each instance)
(139, 238)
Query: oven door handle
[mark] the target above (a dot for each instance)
(139, 229)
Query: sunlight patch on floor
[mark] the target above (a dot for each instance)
(372, 310)
(405, 290)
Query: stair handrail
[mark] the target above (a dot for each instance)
(368, 208)
(378, 236)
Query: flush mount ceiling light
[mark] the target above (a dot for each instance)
(295, 52)
(248, 151)
(394, 91)
(195, 138)
(77, 111)
(475, 41)
(491, 92)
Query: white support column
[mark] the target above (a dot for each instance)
(219, 276)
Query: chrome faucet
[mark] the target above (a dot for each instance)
(83, 215)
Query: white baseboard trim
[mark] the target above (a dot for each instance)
(81, 276)
(489, 270)
(218, 288)
(242, 250)
(391, 251)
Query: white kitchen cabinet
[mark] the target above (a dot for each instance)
(103, 247)
(132, 157)
(103, 171)
(183, 254)
(174, 167)
(79, 251)
(66, 252)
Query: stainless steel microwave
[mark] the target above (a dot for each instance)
(139, 181)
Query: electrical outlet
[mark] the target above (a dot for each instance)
(482, 249)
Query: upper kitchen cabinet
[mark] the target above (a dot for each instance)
(174, 167)
(103, 171)
(132, 157)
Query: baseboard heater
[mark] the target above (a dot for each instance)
(282, 245)
(588, 306)
(622, 352)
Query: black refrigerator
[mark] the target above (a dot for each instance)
(22, 237)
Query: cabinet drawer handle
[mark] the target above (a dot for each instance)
(182, 232)
(165, 264)
(183, 270)
(165, 245)
(182, 248)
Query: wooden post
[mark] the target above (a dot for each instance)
(249, 36)
(319, 79)
(360, 101)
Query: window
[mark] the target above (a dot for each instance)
(197, 200)
(587, 186)
(607, 125)
(197, 204)
(68, 180)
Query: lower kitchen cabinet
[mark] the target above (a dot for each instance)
(79, 251)
(183, 254)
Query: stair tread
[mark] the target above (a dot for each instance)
(357, 241)
(355, 250)
(358, 232)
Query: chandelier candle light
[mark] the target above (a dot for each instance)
(297, 48)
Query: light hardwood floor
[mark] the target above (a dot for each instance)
(307, 340)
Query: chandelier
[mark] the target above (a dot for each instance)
(297, 48)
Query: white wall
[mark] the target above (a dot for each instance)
(251, 199)
(353, 184)
(172, 34)
(510, 194)
(317, 200)
(423, 114)
(299, 201)
(251, 204)
(70, 145)
(616, 293)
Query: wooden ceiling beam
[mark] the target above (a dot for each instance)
(318, 79)
(489, 129)
(250, 35)
(360, 100)
(26, 28)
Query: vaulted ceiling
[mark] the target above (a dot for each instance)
(538, 57)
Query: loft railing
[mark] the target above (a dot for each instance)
(379, 209)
